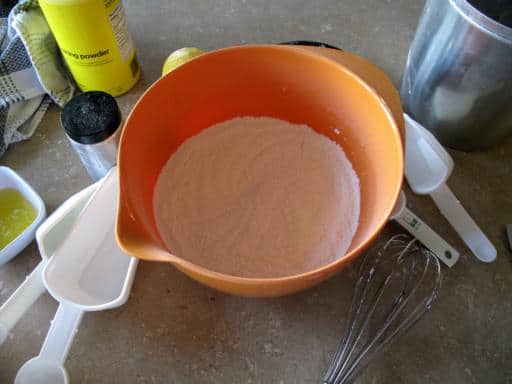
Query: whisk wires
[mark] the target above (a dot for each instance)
(394, 289)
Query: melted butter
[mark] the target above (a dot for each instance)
(16, 214)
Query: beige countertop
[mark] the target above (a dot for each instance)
(173, 330)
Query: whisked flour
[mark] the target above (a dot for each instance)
(258, 197)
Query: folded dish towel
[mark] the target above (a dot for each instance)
(32, 72)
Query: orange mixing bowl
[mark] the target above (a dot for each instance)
(288, 83)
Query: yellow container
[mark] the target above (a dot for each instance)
(95, 43)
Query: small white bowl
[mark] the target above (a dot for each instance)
(10, 179)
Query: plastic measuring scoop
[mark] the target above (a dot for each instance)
(88, 272)
(49, 235)
(421, 231)
(427, 168)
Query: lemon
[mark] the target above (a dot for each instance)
(179, 57)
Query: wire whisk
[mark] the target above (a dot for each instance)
(394, 289)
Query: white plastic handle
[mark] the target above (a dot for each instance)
(465, 226)
(21, 300)
(61, 333)
(48, 367)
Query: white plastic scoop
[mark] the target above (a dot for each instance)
(88, 272)
(421, 231)
(427, 168)
(49, 235)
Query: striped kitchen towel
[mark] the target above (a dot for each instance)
(32, 72)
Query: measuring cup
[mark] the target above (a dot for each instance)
(88, 272)
(48, 236)
(427, 168)
(421, 231)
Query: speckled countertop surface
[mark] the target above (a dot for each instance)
(173, 330)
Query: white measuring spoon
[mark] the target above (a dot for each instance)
(88, 272)
(427, 168)
(421, 231)
(48, 236)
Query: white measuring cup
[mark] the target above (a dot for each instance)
(48, 236)
(421, 231)
(88, 272)
(427, 168)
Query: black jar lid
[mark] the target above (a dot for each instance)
(91, 117)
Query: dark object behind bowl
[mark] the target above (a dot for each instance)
(499, 10)
(310, 43)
